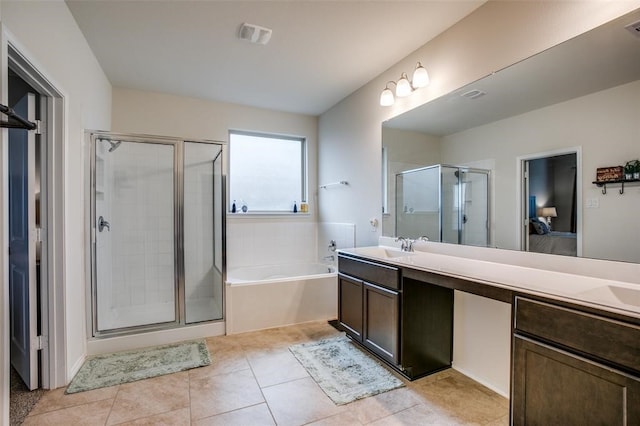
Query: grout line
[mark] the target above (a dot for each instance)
(259, 387)
(106, 422)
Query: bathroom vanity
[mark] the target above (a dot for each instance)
(575, 356)
(405, 322)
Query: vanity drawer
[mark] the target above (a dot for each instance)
(376, 273)
(599, 337)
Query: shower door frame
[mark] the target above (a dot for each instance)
(460, 213)
(178, 230)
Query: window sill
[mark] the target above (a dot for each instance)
(254, 215)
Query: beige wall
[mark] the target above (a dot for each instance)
(153, 113)
(609, 231)
(136, 111)
(406, 150)
(494, 36)
(47, 35)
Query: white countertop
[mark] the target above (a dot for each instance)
(609, 295)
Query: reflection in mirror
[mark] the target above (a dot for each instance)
(444, 203)
(581, 96)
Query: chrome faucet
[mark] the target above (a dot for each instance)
(406, 243)
(103, 224)
(330, 258)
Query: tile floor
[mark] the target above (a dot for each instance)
(254, 380)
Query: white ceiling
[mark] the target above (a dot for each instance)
(319, 53)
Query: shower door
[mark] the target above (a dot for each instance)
(135, 246)
(444, 203)
(418, 203)
(474, 199)
(465, 206)
(203, 229)
(157, 233)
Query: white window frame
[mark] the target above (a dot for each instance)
(303, 174)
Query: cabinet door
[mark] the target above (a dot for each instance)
(426, 328)
(381, 322)
(350, 304)
(551, 386)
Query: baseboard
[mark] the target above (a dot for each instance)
(98, 346)
(71, 373)
(482, 382)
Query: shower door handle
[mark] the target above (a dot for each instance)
(103, 224)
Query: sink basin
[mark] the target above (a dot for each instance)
(382, 252)
(615, 295)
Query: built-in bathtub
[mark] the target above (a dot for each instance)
(278, 295)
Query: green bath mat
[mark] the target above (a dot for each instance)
(123, 367)
(344, 372)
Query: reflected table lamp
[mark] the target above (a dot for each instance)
(549, 212)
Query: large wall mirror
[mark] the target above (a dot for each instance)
(560, 114)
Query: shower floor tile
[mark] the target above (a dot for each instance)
(253, 381)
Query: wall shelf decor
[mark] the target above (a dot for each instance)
(603, 184)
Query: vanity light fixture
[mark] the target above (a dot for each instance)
(404, 87)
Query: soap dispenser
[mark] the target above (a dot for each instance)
(233, 207)
(295, 207)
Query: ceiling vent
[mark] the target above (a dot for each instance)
(473, 94)
(254, 33)
(634, 28)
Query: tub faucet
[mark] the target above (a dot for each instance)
(330, 258)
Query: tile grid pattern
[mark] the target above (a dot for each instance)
(255, 380)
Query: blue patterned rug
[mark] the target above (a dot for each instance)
(123, 367)
(344, 372)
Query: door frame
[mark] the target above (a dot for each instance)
(53, 369)
(523, 203)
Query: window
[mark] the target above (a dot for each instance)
(267, 173)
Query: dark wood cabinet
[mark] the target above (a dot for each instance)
(427, 327)
(381, 322)
(570, 364)
(369, 306)
(406, 323)
(556, 387)
(572, 367)
(350, 306)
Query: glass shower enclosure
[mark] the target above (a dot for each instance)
(444, 203)
(157, 232)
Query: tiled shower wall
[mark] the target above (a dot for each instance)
(255, 242)
(252, 242)
(138, 250)
(344, 234)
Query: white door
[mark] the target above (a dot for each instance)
(22, 247)
(527, 206)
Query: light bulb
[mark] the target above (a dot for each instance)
(420, 76)
(403, 87)
(386, 97)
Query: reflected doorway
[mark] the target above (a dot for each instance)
(549, 205)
